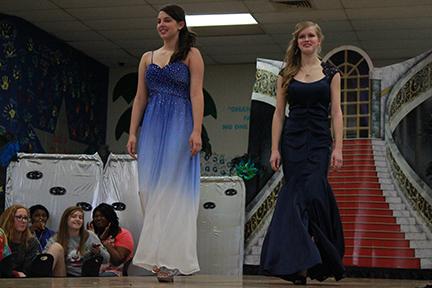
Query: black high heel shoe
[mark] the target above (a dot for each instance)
(296, 279)
(300, 280)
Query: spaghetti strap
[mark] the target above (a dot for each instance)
(152, 57)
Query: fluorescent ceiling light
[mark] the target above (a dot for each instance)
(220, 20)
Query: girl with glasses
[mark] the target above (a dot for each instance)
(23, 244)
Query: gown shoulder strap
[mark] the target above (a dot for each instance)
(330, 70)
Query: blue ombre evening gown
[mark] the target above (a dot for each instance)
(169, 176)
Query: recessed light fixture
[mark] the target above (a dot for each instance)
(220, 20)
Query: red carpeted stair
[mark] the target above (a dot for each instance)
(373, 238)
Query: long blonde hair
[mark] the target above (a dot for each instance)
(7, 223)
(293, 54)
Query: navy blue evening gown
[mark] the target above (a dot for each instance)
(306, 231)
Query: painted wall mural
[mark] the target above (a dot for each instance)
(39, 73)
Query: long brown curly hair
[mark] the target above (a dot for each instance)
(186, 39)
(7, 223)
(293, 54)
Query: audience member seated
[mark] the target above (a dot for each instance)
(117, 240)
(5, 256)
(23, 245)
(76, 251)
(39, 216)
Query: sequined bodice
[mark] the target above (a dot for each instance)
(171, 80)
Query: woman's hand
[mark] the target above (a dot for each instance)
(195, 142)
(336, 159)
(131, 146)
(90, 226)
(105, 234)
(108, 242)
(275, 160)
(95, 248)
(37, 226)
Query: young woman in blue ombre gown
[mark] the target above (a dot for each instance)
(170, 96)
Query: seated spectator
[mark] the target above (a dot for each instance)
(23, 245)
(117, 240)
(5, 256)
(4, 247)
(39, 216)
(74, 247)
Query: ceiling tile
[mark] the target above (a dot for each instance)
(393, 13)
(122, 24)
(96, 3)
(327, 4)
(72, 36)
(383, 3)
(215, 7)
(314, 15)
(137, 35)
(92, 45)
(240, 49)
(114, 31)
(182, 3)
(259, 6)
(142, 11)
(390, 24)
(246, 40)
(8, 6)
(63, 26)
(228, 30)
(400, 35)
(36, 16)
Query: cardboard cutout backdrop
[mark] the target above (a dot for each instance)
(60, 181)
(55, 181)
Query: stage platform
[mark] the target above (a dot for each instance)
(203, 281)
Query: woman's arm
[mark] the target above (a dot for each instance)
(277, 123)
(4, 246)
(94, 245)
(139, 104)
(196, 68)
(32, 250)
(50, 242)
(337, 121)
(118, 254)
(119, 248)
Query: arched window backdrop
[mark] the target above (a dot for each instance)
(355, 65)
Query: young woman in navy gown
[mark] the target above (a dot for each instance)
(305, 237)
